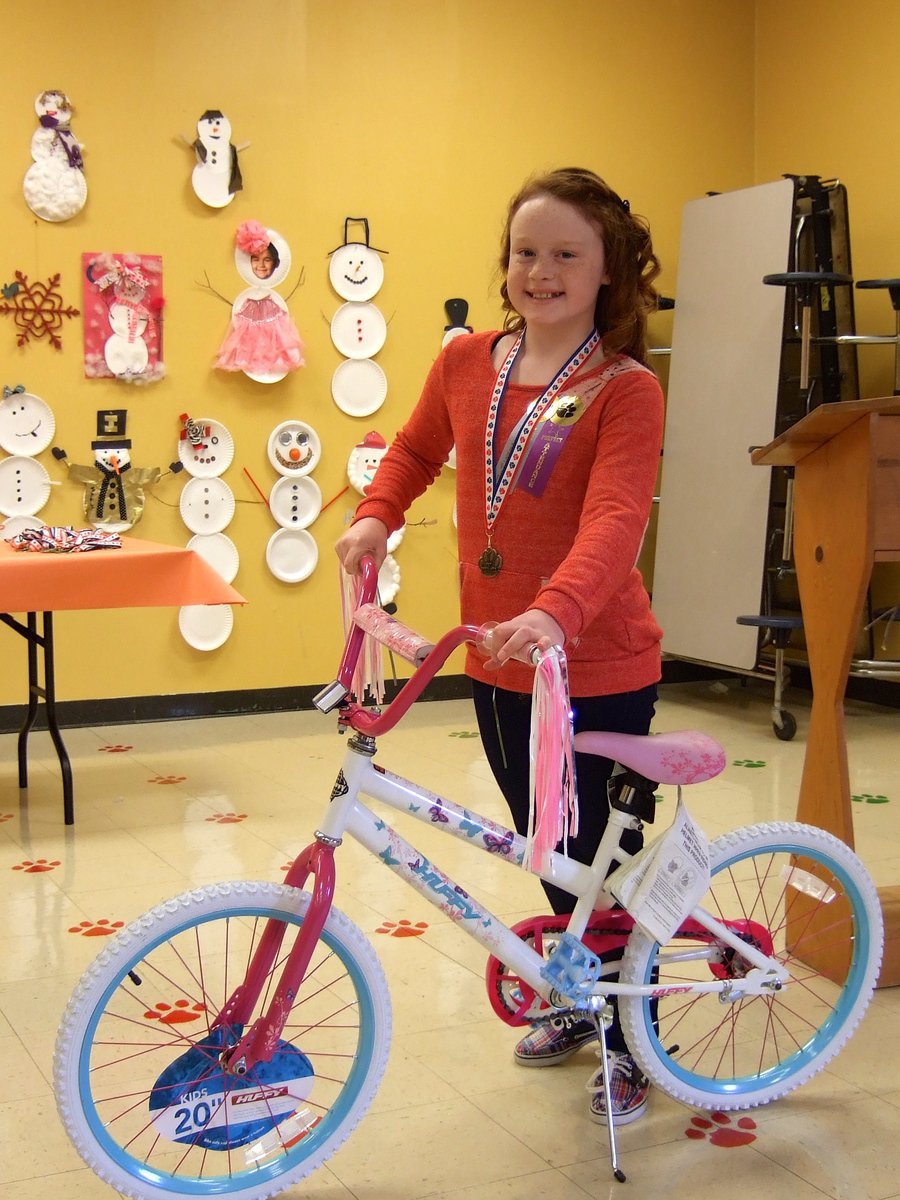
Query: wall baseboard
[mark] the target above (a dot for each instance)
(134, 710)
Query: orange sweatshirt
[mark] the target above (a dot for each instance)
(572, 551)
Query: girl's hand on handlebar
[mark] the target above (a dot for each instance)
(513, 638)
(368, 535)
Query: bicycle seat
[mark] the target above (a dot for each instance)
(683, 757)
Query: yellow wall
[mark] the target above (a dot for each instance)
(423, 117)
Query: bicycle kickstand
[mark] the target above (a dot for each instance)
(598, 1019)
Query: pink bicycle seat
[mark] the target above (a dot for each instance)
(683, 757)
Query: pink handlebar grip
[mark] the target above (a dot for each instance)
(392, 633)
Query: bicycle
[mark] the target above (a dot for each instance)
(726, 1010)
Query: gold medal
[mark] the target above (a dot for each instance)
(490, 562)
(566, 411)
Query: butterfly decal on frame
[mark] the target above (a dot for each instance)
(438, 814)
(497, 845)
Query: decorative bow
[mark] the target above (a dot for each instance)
(8, 391)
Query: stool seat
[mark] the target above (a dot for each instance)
(892, 285)
(767, 622)
(790, 278)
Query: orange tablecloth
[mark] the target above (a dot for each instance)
(139, 575)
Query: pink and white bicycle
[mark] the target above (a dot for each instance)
(742, 1000)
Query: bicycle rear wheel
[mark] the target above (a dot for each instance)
(800, 895)
(136, 1071)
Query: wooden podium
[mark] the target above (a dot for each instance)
(846, 517)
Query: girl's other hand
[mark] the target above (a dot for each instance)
(530, 628)
(368, 535)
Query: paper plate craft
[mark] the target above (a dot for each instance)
(359, 387)
(205, 447)
(206, 505)
(54, 186)
(206, 626)
(292, 554)
(262, 341)
(358, 330)
(294, 448)
(457, 310)
(123, 303)
(24, 486)
(356, 271)
(295, 503)
(27, 424)
(13, 525)
(113, 496)
(364, 460)
(388, 580)
(395, 538)
(217, 175)
(219, 551)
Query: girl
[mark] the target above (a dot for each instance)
(557, 423)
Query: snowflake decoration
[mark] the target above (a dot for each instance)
(37, 309)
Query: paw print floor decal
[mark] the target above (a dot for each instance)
(39, 864)
(178, 1014)
(102, 928)
(402, 928)
(719, 1129)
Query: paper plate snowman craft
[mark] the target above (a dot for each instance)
(113, 497)
(457, 310)
(263, 341)
(294, 450)
(217, 175)
(365, 459)
(123, 305)
(26, 428)
(54, 186)
(358, 330)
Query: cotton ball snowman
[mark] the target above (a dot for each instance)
(54, 186)
(217, 175)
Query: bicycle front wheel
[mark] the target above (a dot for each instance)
(798, 894)
(136, 1072)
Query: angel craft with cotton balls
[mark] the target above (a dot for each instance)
(54, 187)
(263, 341)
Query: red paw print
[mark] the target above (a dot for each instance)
(179, 1014)
(402, 928)
(114, 749)
(40, 864)
(228, 818)
(724, 1132)
(168, 779)
(101, 928)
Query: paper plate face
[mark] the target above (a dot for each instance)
(24, 486)
(292, 554)
(206, 505)
(27, 424)
(206, 626)
(277, 272)
(295, 503)
(219, 551)
(388, 580)
(356, 271)
(294, 448)
(212, 455)
(13, 525)
(358, 330)
(359, 387)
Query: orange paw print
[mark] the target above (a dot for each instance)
(724, 1131)
(5, 817)
(168, 779)
(227, 818)
(114, 749)
(402, 928)
(40, 864)
(182, 1012)
(101, 928)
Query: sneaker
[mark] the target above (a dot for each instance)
(554, 1041)
(628, 1087)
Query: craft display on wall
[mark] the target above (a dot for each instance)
(207, 506)
(295, 500)
(37, 309)
(262, 340)
(217, 174)
(123, 302)
(358, 329)
(54, 186)
(364, 461)
(457, 311)
(26, 428)
(113, 488)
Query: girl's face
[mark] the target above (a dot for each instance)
(557, 265)
(262, 265)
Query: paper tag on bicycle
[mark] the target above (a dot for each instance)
(665, 881)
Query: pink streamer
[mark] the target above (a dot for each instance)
(368, 675)
(553, 795)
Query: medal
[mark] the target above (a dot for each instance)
(490, 562)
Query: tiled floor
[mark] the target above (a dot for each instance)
(163, 807)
